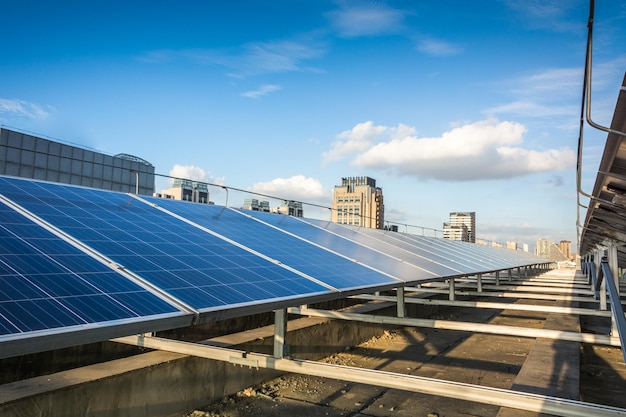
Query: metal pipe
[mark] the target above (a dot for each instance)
(590, 338)
(449, 389)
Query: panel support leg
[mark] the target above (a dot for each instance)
(280, 333)
(451, 295)
(401, 307)
(497, 278)
(479, 282)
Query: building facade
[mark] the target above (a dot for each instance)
(462, 226)
(255, 205)
(27, 156)
(187, 190)
(358, 202)
(289, 208)
(566, 248)
(549, 250)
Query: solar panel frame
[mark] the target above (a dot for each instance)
(49, 288)
(95, 218)
(313, 259)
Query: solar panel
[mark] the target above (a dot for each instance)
(46, 283)
(336, 268)
(195, 267)
(425, 259)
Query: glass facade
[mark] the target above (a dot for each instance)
(27, 156)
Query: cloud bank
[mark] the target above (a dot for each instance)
(194, 173)
(487, 149)
(298, 188)
(21, 108)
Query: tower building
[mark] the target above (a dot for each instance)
(358, 202)
(462, 226)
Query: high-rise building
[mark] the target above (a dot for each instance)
(549, 250)
(462, 226)
(566, 248)
(357, 201)
(188, 190)
(28, 156)
(289, 208)
(256, 205)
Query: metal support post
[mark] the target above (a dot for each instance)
(451, 294)
(401, 307)
(280, 333)
(612, 255)
(510, 274)
(497, 278)
(519, 273)
(479, 282)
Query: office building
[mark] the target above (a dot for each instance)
(357, 201)
(188, 190)
(289, 208)
(462, 226)
(549, 250)
(28, 156)
(256, 205)
(566, 248)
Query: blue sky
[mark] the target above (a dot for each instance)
(449, 105)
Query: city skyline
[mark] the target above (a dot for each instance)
(450, 106)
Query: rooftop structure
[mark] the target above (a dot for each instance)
(28, 156)
(358, 202)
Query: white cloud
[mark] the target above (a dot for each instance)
(366, 20)
(262, 91)
(438, 47)
(550, 15)
(298, 188)
(361, 138)
(249, 59)
(21, 108)
(533, 109)
(487, 149)
(190, 172)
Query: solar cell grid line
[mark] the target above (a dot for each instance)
(440, 245)
(48, 285)
(480, 255)
(425, 252)
(474, 261)
(420, 268)
(206, 272)
(331, 267)
(496, 258)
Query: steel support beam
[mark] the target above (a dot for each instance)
(399, 300)
(280, 333)
(492, 305)
(468, 392)
(464, 326)
(498, 294)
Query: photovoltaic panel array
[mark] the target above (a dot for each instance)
(335, 267)
(46, 283)
(197, 268)
(81, 260)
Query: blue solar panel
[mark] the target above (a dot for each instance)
(331, 233)
(196, 267)
(46, 283)
(338, 271)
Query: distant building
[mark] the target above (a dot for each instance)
(27, 156)
(462, 226)
(511, 245)
(566, 248)
(357, 201)
(256, 205)
(458, 232)
(187, 190)
(289, 208)
(549, 250)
